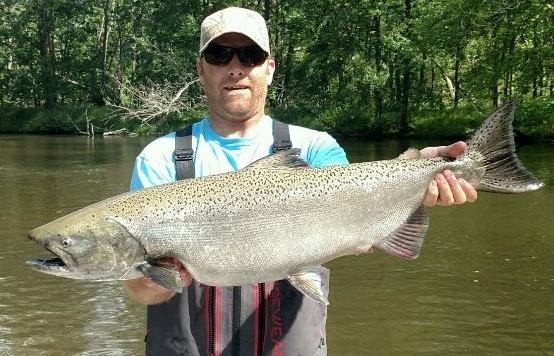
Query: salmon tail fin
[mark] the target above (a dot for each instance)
(494, 143)
(407, 239)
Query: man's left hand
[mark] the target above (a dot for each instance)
(446, 189)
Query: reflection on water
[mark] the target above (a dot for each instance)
(483, 285)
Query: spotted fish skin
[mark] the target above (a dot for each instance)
(278, 217)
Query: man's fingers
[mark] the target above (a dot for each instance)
(431, 195)
(469, 190)
(452, 151)
(456, 189)
(447, 190)
(445, 194)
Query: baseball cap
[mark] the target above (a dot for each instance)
(234, 19)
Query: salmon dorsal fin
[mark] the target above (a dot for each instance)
(407, 239)
(280, 160)
(410, 153)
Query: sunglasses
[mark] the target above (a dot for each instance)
(250, 56)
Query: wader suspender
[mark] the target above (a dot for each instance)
(184, 153)
(184, 167)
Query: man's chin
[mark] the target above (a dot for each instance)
(240, 114)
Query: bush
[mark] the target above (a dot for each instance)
(535, 118)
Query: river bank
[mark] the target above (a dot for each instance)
(534, 121)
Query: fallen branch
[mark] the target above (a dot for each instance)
(155, 100)
(89, 132)
(120, 132)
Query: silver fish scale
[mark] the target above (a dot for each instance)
(281, 220)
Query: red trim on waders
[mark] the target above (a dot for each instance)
(217, 321)
(276, 321)
(256, 305)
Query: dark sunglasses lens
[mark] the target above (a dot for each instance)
(251, 56)
(218, 55)
(221, 55)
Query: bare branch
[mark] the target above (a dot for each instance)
(121, 132)
(156, 100)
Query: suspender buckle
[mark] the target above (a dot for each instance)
(184, 154)
(281, 146)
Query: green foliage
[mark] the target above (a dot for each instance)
(355, 67)
(456, 123)
(535, 118)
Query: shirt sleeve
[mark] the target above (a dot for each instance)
(148, 174)
(325, 151)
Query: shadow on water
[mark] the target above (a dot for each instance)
(482, 286)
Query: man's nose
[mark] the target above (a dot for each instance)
(236, 69)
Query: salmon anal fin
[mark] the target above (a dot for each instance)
(406, 240)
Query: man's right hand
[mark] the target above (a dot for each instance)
(145, 291)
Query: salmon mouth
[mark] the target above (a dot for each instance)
(56, 265)
(47, 263)
(52, 265)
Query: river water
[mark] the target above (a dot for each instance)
(484, 284)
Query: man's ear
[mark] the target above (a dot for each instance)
(200, 71)
(270, 70)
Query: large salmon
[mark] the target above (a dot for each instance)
(274, 219)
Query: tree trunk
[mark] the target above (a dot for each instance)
(47, 52)
(406, 75)
(457, 64)
(405, 104)
(288, 71)
(267, 10)
(497, 58)
(99, 74)
(509, 67)
(378, 93)
(421, 80)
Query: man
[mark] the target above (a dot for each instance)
(235, 69)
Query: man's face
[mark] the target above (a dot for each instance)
(235, 92)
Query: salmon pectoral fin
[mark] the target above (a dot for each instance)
(163, 276)
(407, 239)
(309, 283)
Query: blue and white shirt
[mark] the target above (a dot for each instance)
(215, 154)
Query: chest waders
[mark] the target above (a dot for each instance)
(263, 319)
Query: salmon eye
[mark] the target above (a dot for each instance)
(66, 242)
